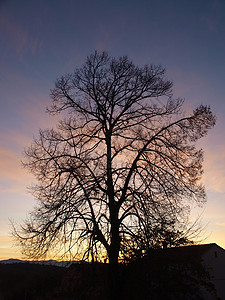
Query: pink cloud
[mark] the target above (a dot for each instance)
(13, 177)
(34, 112)
(214, 166)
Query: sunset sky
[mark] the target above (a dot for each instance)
(42, 40)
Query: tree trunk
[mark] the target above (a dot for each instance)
(114, 273)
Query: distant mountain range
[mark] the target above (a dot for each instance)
(41, 262)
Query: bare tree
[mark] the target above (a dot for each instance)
(124, 151)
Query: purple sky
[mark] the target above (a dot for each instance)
(41, 40)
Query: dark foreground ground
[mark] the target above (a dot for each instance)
(148, 279)
(38, 282)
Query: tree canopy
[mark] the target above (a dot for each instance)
(122, 160)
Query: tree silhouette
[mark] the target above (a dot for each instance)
(123, 153)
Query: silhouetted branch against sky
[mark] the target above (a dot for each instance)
(123, 153)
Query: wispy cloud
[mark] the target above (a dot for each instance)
(214, 166)
(210, 22)
(34, 112)
(212, 17)
(5, 239)
(13, 178)
(185, 82)
(221, 224)
(16, 37)
(9, 251)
